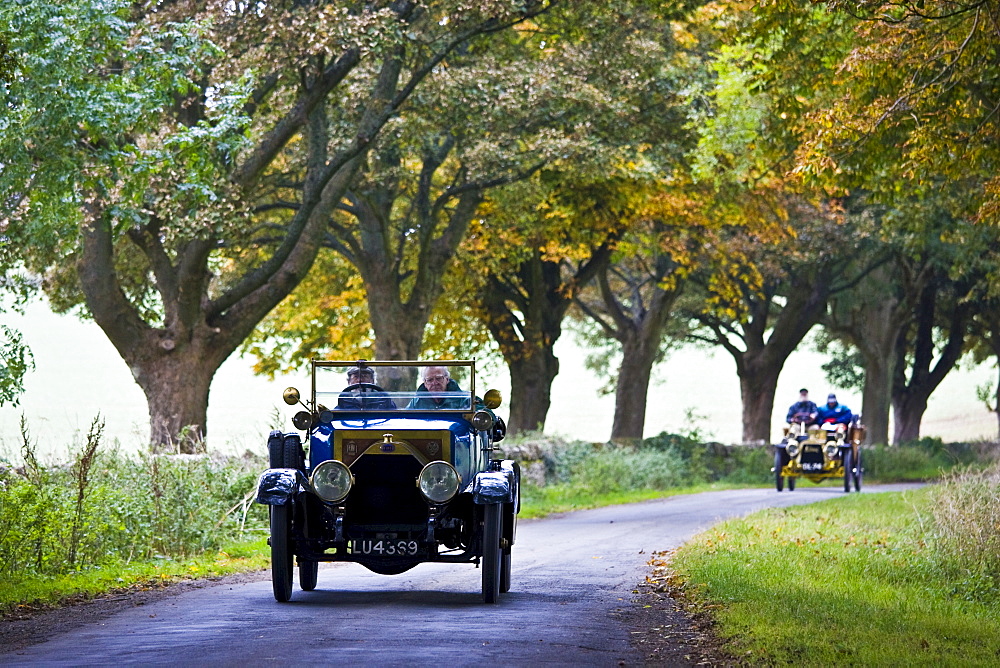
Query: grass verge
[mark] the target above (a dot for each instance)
(33, 593)
(538, 502)
(849, 581)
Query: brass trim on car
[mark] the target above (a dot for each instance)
(349, 445)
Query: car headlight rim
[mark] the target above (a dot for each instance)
(439, 482)
(332, 481)
(831, 450)
(792, 449)
(482, 421)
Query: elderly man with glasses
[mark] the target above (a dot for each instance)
(436, 380)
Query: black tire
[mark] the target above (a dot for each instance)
(281, 553)
(492, 533)
(292, 455)
(308, 574)
(779, 480)
(505, 572)
(791, 484)
(857, 473)
(848, 469)
(276, 450)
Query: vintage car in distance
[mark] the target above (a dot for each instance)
(391, 475)
(818, 452)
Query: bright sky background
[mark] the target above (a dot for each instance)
(79, 374)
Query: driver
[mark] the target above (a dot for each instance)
(834, 412)
(802, 410)
(362, 392)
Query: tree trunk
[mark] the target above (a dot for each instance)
(531, 379)
(176, 386)
(632, 387)
(877, 398)
(908, 411)
(757, 391)
(910, 396)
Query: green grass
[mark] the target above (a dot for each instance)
(35, 592)
(537, 502)
(850, 581)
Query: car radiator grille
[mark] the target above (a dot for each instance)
(812, 454)
(385, 491)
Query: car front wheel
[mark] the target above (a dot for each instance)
(281, 553)
(492, 552)
(779, 480)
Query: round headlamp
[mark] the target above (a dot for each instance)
(793, 449)
(831, 450)
(482, 421)
(332, 480)
(438, 482)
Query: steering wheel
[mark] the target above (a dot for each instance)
(364, 387)
(362, 401)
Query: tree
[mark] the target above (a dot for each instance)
(780, 295)
(159, 173)
(917, 103)
(872, 318)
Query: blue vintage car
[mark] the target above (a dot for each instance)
(394, 472)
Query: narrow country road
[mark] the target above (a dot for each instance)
(571, 573)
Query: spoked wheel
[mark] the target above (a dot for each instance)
(281, 553)
(492, 553)
(857, 473)
(308, 574)
(779, 480)
(791, 484)
(848, 469)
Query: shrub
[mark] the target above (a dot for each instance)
(106, 507)
(966, 511)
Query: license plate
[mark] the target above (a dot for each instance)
(385, 547)
(812, 466)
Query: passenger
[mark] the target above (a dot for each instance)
(802, 410)
(364, 392)
(834, 412)
(436, 380)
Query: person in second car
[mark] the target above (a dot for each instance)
(834, 412)
(437, 380)
(803, 410)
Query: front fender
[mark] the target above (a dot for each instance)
(276, 487)
(496, 486)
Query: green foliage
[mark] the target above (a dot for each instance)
(15, 362)
(106, 508)
(845, 369)
(856, 580)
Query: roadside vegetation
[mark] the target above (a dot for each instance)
(107, 519)
(103, 519)
(561, 475)
(891, 579)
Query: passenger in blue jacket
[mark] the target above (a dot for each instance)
(802, 410)
(834, 412)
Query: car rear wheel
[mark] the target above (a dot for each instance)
(848, 470)
(857, 473)
(281, 553)
(791, 484)
(492, 552)
(505, 572)
(308, 574)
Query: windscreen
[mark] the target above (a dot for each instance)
(351, 387)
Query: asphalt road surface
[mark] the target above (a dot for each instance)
(571, 574)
